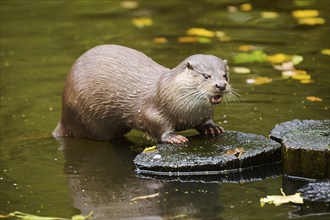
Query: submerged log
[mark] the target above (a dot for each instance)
(230, 152)
(305, 147)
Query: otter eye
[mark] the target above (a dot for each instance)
(225, 76)
(206, 76)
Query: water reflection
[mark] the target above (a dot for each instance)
(316, 197)
(101, 179)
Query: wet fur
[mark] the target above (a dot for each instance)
(112, 89)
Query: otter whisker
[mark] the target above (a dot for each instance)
(188, 102)
(231, 97)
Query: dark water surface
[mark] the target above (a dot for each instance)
(41, 39)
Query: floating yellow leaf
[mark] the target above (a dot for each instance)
(254, 56)
(311, 21)
(279, 200)
(142, 22)
(246, 48)
(222, 36)
(129, 4)
(241, 70)
(187, 39)
(259, 80)
(301, 75)
(150, 149)
(192, 39)
(296, 59)
(269, 14)
(203, 40)
(305, 13)
(325, 52)
(145, 197)
(306, 81)
(160, 40)
(279, 58)
(246, 7)
(314, 99)
(22, 215)
(202, 32)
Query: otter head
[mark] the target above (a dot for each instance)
(208, 75)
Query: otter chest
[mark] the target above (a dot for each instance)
(193, 117)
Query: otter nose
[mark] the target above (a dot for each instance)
(221, 86)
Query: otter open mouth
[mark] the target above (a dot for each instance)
(215, 99)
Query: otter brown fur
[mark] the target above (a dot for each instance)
(112, 89)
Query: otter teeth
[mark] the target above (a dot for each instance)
(216, 99)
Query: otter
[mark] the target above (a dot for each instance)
(112, 89)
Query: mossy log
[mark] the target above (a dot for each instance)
(305, 147)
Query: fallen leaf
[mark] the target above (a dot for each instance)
(306, 81)
(314, 99)
(288, 73)
(230, 152)
(279, 58)
(191, 39)
(150, 149)
(142, 22)
(204, 40)
(254, 56)
(259, 80)
(311, 21)
(325, 52)
(202, 32)
(246, 48)
(22, 215)
(237, 152)
(286, 66)
(305, 13)
(232, 9)
(160, 40)
(279, 200)
(187, 39)
(301, 75)
(222, 36)
(296, 59)
(246, 7)
(129, 4)
(269, 15)
(241, 70)
(145, 197)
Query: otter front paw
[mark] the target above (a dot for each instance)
(172, 138)
(210, 129)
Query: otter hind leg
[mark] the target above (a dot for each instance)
(58, 131)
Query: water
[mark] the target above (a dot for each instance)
(41, 39)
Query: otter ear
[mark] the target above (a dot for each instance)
(225, 61)
(190, 66)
